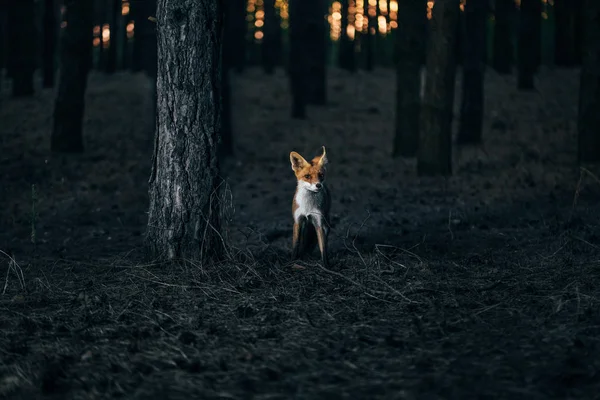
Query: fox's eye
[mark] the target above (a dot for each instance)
(321, 176)
(307, 176)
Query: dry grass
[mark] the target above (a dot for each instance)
(486, 284)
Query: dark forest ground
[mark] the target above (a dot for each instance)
(485, 284)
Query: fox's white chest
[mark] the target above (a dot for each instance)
(308, 204)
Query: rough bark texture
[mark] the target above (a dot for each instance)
(49, 51)
(183, 218)
(22, 46)
(409, 53)
(435, 140)
(115, 16)
(228, 62)
(271, 45)
(346, 59)
(529, 45)
(75, 63)
(474, 60)
(589, 92)
(502, 57)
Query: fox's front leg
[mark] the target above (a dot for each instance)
(297, 240)
(322, 234)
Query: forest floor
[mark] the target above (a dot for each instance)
(482, 285)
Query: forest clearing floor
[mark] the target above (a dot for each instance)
(482, 285)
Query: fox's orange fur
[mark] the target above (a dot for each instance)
(311, 205)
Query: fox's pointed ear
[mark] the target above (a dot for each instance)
(323, 160)
(298, 162)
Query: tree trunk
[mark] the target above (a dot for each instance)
(269, 44)
(529, 49)
(409, 53)
(136, 49)
(50, 30)
(115, 14)
(239, 29)
(369, 38)
(503, 48)
(183, 221)
(435, 140)
(22, 46)
(298, 65)
(589, 91)
(567, 32)
(474, 60)
(229, 58)
(75, 63)
(316, 51)
(144, 53)
(346, 58)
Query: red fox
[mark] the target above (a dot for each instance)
(311, 206)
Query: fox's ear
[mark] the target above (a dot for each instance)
(298, 162)
(323, 160)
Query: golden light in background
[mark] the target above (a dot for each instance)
(383, 9)
(105, 33)
(351, 31)
(282, 7)
(130, 28)
(259, 17)
(382, 24)
(125, 8)
(394, 13)
(96, 42)
(358, 18)
(462, 5)
(335, 20)
(258, 35)
(429, 9)
(96, 30)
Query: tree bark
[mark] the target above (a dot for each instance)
(474, 60)
(434, 155)
(22, 46)
(346, 59)
(183, 220)
(529, 45)
(409, 53)
(115, 15)
(229, 59)
(75, 63)
(589, 91)
(503, 48)
(50, 31)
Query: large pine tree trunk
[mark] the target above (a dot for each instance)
(183, 219)
(50, 30)
(503, 48)
(22, 46)
(589, 90)
(115, 15)
(434, 156)
(475, 52)
(346, 59)
(529, 44)
(228, 57)
(409, 53)
(75, 63)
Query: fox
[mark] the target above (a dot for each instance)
(311, 206)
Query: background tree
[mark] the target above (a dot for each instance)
(238, 30)
(183, 219)
(49, 51)
(115, 14)
(271, 44)
(567, 32)
(434, 156)
(529, 43)
(75, 63)
(316, 51)
(589, 89)
(22, 46)
(502, 57)
(298, 65)
(474, 61)
(370, 14)
(409, 54)
(346, 59)
(229, 56)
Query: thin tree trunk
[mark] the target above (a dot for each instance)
(136, 16)
(298, 65)
(75, 63)
(239, 29)
(346, 59)
(564, 34)
(115, 14)
(503, 48)
(50, 30)
(22, 46)
(589, 91)
(409, 53)
(369, 38)
(183, 221)
(474, 57)
(434, 155)
(528, 44)
(316, 52)
(269, 43)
